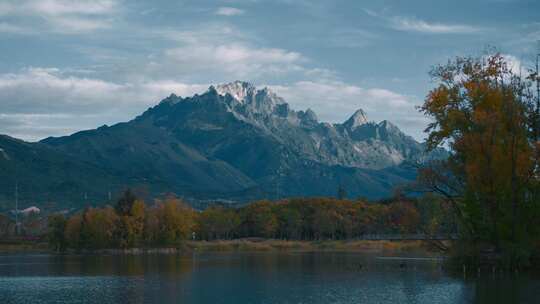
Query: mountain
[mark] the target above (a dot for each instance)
(233, 142)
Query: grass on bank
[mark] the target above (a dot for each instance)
(256, 245)
(367, 246)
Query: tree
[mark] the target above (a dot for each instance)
(435, 214)
(73, 231)
(129, 228)
(55, 235)
(98, 227)
(217, 223)
(260, 220)
(482, 112)
(138, 213)
(125, 203)
(325, 221)
(151, 228)
(176, 221)
(403, 217)
(290, 221)
(7, 226)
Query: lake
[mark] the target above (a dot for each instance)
(251, 278)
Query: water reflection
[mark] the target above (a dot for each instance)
(249, 278)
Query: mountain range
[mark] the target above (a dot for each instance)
(232, 143)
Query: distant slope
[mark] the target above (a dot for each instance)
(44, 175)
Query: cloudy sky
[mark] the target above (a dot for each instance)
(72, 65)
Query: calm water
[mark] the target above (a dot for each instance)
(250, 278)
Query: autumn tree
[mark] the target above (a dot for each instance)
(98, 227)
(73, 231)
(436, 216)
(481, 111)
(403, 217)
(217, 223)
(176, 221)
(138, 214)
(290, 221)
(325, 221)
(151, 227)
(258, 219)
(129, 227)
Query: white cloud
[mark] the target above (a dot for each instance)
(416, 25)
(218, 33)
(218, 52)
(39, 102)
(48, 90)
(60, 16)
(226, 61)
(335, 101)
(235, 54)
(229, 11)
(66, 7)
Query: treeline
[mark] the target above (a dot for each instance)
(31, 226)
(132, 223)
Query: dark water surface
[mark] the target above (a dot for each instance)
(251, 278)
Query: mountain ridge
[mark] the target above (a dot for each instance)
(237, 142)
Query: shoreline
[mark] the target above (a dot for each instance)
(251, 244)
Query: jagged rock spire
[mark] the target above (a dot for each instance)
(357, 119)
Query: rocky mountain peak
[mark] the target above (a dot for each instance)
(310, 115)
(171, 99)
(239, 90)
(357, 119)
(250, 99)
